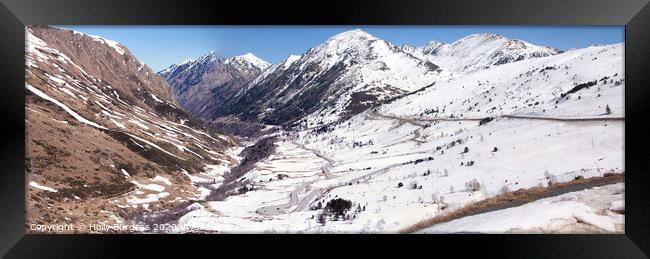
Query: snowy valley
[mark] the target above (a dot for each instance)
(356, 135)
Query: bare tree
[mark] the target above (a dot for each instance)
(434, 198)
(472, 185)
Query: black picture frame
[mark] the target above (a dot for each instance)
(633, 14)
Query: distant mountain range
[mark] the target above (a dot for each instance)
(348, 73)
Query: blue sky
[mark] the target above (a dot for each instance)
(161, 46)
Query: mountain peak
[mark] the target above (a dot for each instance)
(248, 55)
(432, 47)
(344, 48)
(185, 61)
(210, 56)
(482, 37)
(434, 43)
(249, 58)
(356, 34)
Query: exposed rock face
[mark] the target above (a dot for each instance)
(100, 126)
(204, 85)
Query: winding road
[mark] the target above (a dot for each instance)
(294, 195)
(326, 167)
(416, 133)
(282, 208)
(416, 122)
(316, 194)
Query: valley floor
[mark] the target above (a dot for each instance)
(404, 171)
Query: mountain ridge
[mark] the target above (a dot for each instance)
(281, 93)
(479, 51)
(102, 129)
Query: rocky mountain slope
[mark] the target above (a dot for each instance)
(204, 85)
(105, 137)
(337, 79)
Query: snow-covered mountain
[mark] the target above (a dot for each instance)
(202, 86)
(533, 123)
(339, 78)
(104, 132)
(581, 82)
(478, 51)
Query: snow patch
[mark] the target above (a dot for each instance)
(159, 178)
(70, 111)
(41, 187)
